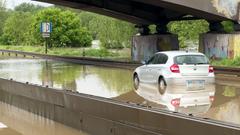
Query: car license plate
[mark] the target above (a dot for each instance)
(195, 84)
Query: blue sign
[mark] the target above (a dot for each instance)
(46, 27)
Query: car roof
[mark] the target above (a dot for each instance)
(177, 53)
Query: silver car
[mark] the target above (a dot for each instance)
(176, 72)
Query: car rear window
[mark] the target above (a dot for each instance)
(191, 59)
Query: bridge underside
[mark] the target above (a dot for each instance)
(145, 12)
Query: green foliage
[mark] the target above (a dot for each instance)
(16, 29)
(228, 26)
(188, 30)
(113, 33)
(66, 28)
(27, 7)
(227, 62)
(3, 16)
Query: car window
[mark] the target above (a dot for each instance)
(191, 59)
(161, 59)
(151, 60)
(158, 59)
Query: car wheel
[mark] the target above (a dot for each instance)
(162, 86)
(136, 81)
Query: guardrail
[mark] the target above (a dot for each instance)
(80, 60)
(110, 63)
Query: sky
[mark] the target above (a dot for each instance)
(12, 3)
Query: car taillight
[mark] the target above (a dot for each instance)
(175, 68)
(176, 102)
(211, 98)
(211, 70)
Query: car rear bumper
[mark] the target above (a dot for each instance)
(179, 85)
(183, 80)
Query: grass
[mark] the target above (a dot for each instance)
(227, 62)
(123, 55)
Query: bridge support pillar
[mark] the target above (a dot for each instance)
(145, 46)
(217, 45)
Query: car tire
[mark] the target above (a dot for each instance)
(162, 86)
(136, 82)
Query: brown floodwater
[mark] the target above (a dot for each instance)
(117, 84)
(15, 121)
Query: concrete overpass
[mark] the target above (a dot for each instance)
(146, 12)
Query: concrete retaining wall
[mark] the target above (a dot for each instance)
(100, 116)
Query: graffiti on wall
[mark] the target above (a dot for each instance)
(216, 48)
(221, 46)
(227, 7)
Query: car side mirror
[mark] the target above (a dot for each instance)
(144, 62)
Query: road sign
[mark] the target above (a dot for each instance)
(45, 35)
(46, 27)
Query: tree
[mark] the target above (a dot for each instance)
(2, 4)
(111, 32)
(66, 28)
(3, 16)
(27, 7)
(16, 29)
(188, 30)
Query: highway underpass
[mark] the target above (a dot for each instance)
(120, 116)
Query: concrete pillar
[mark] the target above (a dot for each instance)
(218, 45)
(144, 45)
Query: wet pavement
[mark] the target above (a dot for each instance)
(114, 83)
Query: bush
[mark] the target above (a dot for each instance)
(226, 62)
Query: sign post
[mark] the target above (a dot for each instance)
(46, 29)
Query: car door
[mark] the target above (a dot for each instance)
(156, 68)
(145, 70)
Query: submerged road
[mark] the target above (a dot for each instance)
(108, 82)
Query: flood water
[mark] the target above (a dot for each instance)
(103, 82)
(15, 121)
(109, 83)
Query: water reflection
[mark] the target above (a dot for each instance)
(226, 106)
(20, 122)
(188, 102)
(104, 82)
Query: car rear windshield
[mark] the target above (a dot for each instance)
(191, 59)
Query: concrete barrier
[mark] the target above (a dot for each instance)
(100, 116)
